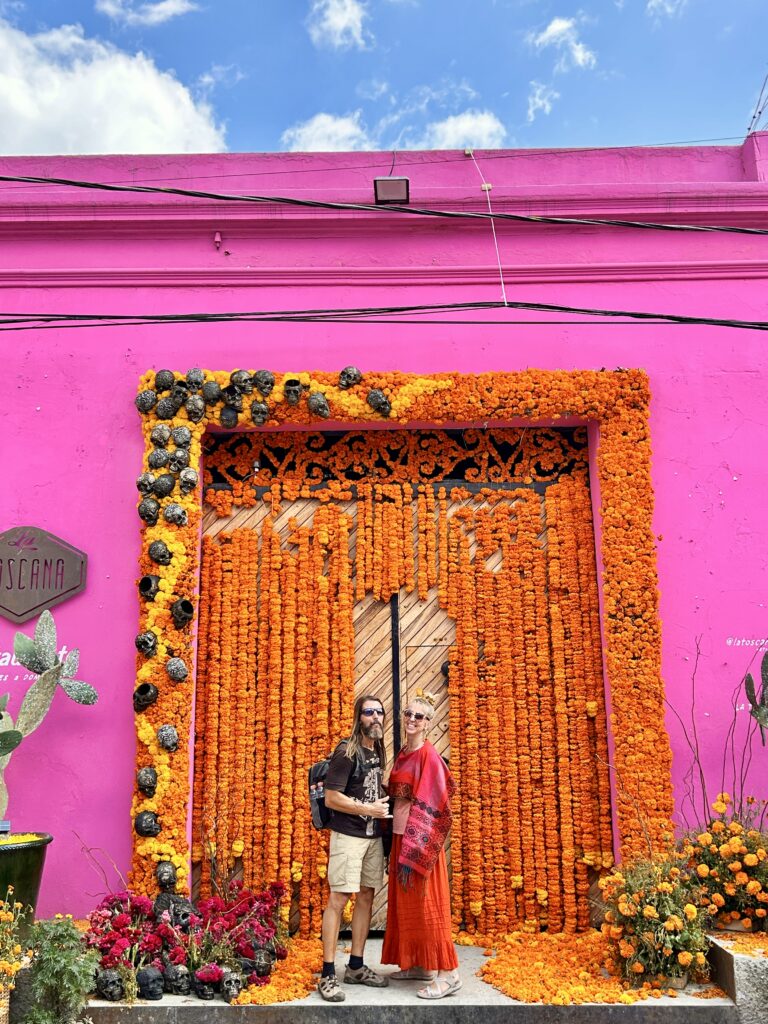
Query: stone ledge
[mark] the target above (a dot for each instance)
(744, 978)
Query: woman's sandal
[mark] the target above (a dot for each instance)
(440, 988)
(412, 974)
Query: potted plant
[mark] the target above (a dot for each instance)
(22, 855)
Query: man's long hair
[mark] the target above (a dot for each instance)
(355, 741)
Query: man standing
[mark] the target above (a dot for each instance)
(355, 796)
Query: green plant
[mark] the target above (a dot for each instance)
(39, 654)
(759, 708)
(12, 915)
(62, 972)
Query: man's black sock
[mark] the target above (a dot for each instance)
(355, 963)
(329, 969)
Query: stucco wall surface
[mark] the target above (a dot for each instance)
(71, 444)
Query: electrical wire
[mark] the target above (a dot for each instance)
(519, 218)
(486, 187)
(366, 314)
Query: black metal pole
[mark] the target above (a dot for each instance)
(394, 614)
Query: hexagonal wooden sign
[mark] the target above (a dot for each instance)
(37, 571)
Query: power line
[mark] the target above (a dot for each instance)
(366, 314)
(387, 209)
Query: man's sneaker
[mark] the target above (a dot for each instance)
(330, 989)
(365, 976)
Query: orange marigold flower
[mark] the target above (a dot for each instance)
(684, 958)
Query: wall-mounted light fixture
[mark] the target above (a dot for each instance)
(391, 190)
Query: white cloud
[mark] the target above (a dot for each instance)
(563, 35)
(540, 98)
(479, 128)
(668, 7)
(61, 92)
(338, 24)
(144, 12)
(328, 133)
(373, 89)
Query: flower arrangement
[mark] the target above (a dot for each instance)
(730, 859)
(12, 953)
(654, 921)
(619, 402)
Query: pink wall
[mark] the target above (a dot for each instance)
(71, 443)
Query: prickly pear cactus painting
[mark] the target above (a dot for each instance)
(38, 654)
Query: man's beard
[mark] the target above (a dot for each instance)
(368, 730)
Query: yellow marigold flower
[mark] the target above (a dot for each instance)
(724, 797)
(719, 807)
(717, 826)
(665, 887)
(705, 838)
(673, 923)
(650, 912)
(616, 931)
(674, 872)
(684, 958)
(476, 907)
(730, 889)
(735, 844)
(735, 828)
(761, 854)
(741, 878)
(750, 859)
(690, 911)
(753, 887)
(237, 847)
(702, 870)
(734, 866)
(700, 959)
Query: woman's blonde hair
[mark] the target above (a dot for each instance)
(427, 702)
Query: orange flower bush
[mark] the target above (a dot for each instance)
(314, 564)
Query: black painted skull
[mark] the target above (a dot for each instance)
(203, 990)
(149, 509)
(228, 418)
(318, 405)
(182, 611)
(292, 390)
(179, 460)
(146, 824)
(145, 401)
(158, 458)
(164, 380)
(168, 407)
(379, 402)
(177, 980)
(168, 738)
(145, 482)
(161, 435)
(146, 643)
(181, 437)
(231, 985)
(165, 873)
(160, 553)
(146, 780)
(264, 381)
(175, 514)
(232, 397)
(148, 587)
(242, 380)
(259, 413)
(195, 379)
(188, 480)
(144, 696)
(195, 407)
(177, 669)
(211, 392)
(150, 982)
(164, 485)
(349, 377)
(109, 985)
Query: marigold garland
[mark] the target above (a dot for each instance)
(620, 402)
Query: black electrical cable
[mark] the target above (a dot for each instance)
(370, 314)
(519, 218)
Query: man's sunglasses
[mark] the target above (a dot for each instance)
(370, 712)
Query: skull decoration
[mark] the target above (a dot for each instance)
(259, 413)
(228, 417)
(158, 458)
(183, 611)
(146, 824)
(262, 960)
(349, 376)
(195, 379)
(145, 401)
(264, 381)
(161, 435)
(165, 873)
(203, 990)
(242, 380)
(177, 669)
(232, 397)
(181, 437)
(379, 402)
(211, 392)
(148, 587)
(181, 911)
(149, 510)
(146, 780)
(164, 380)
(167, 408)
(318, 405)
(146, 643)
(177, 980)
(195, 407)
(160, 553)
(188, 480)
(164, 485)
(145, 482)
(168, 738)
(179, 460)
(144, 696)
(175, 514)
(292, 390)
(109, 985)
(231, 985)
(150, 982)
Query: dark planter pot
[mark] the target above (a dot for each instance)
(21, 865)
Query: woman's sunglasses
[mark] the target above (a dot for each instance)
(417, 716)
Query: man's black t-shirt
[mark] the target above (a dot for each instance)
(360, 778)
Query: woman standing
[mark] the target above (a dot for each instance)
(418, 934)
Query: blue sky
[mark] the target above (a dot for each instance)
(89, 76)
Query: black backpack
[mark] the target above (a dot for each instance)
(321, 815)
